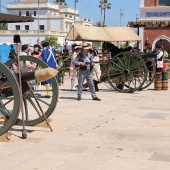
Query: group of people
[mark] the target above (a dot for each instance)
(85, 65)
(160, 56)
(43, 52)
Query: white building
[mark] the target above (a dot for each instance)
(50, 19)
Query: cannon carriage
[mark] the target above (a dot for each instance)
(125, 71)
(10, 98)
(36, 109)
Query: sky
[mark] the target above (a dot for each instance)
(89, 9)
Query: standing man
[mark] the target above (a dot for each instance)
(65, 51)
(159, 58)
(85, 61)
(48, 56)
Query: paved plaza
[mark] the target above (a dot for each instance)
(121, 132)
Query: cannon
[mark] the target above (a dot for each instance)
(135, 70)
(10, 94)
(128, 72)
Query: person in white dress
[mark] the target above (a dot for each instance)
(73, 70)
(96, 73)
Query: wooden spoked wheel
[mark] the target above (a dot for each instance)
(127, 72)
(47, 96)
(9, 99)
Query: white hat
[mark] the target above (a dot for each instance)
(77, 47)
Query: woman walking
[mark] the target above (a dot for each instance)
(96, 70)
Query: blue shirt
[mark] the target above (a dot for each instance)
(48, 56)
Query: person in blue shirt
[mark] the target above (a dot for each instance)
(49, 57)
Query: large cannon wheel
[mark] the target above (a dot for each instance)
(48, 99)
(9, 99)
(127, 72)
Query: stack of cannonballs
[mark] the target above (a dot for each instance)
(161, 81)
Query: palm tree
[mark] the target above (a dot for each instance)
(99, 24)
(61, 2)
(101, 7)
(106, 5)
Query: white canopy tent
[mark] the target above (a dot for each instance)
(98, 34)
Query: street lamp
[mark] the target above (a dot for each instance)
(121, 14)
(75, 1)
(137, 17)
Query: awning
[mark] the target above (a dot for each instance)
(98, 34)
(9, 18)
(149, 24)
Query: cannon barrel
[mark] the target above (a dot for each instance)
(27, 76)
(39, 75)
(152, 55)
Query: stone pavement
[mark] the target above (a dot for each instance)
(122, 132)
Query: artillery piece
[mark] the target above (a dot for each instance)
(129, 71)
(10, 94)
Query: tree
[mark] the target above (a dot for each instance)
(104, 4)
(3, 26)
(61, 2)
(101, 8)
(52, 40)
(99, 24)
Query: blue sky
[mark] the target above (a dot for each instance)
(89, 9)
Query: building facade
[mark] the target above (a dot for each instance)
(50, 19)
(155, 16)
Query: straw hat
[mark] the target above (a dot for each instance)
(86, 46)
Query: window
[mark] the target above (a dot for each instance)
(17, 27)
(27, 13)
(66, 15)
(20, 13)
(164, 2)
(26, 27)
(41, 27)
(70, 16)
(35, 13)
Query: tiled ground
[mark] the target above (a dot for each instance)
(122, 132)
